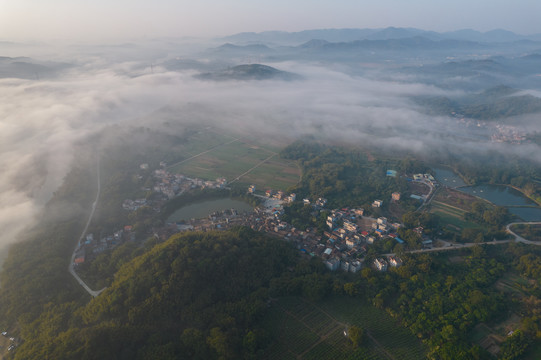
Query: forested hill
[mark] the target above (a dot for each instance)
(197, 295)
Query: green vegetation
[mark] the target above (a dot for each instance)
(450, 215)
(530, 232)
(346, 178)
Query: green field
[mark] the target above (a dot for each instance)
(209, 155)
(452, 215)
(316, 331)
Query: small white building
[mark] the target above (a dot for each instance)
(380, 264)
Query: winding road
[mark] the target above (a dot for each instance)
(519, 238)
(71, 269)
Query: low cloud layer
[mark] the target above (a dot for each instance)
(42, 120)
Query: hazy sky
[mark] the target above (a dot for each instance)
(132, 19)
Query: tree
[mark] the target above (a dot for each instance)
(355, 334)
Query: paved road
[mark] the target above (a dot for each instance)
(92, 293)
(520, 238)
(466, 245)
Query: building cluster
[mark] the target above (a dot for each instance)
(172, 185)
(507, 133)
(280, 195)
(90, 246)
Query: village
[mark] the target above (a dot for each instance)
(343, 246)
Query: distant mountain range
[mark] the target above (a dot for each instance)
(249, 72)
(347, 35)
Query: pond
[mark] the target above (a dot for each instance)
(204, 208)
(497, 194)
(447, 177)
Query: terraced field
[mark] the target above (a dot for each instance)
(303, 330)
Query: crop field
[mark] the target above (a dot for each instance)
(451, 215)
(316, 331)
(209, 155)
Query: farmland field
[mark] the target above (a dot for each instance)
(316, 331)
(451, 215)
(209, 155)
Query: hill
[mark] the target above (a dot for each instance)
(249, 72)
(197, 295)
(498, 102)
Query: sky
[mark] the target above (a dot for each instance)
(105, 20)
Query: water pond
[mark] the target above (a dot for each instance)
(497, 194)
(205, 208)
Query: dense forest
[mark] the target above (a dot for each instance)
(197, 295)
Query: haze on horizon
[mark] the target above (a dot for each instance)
(105, 21)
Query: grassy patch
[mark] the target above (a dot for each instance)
(452, 216)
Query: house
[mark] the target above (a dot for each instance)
(269, 193)
(348, 225)
(321, 202)
(382, 220)
(291, 197)
(359, 212)
(377, 203)
(332, 264)
(344, 265)
(355, 266)
(251, 189)
(380, 264)
(395, 261)
(391, 173)
(395, 196)
(306, 201)
(80, 257)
